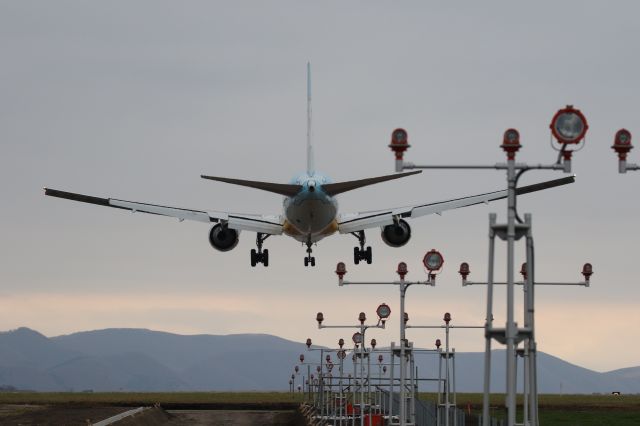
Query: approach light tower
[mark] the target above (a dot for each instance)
(568, 127)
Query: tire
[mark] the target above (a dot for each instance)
(265, 258)
(253, 257)
(368, 255)
(313, 261)
(306, 261)
(356, 255)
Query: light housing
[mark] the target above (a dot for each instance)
(341, 269)
(438, 343)
(406, 317)
(319, 318)
(308, 343)
(447, 317)
(380, 358)
(511, 143)
(464, 270)
(341, 343)
(402, 270)
(357, 338)
(301, 358)
(569, 125)
(523, 270)
(383, 311)
(296, 368)
(362, 317)
(373, 343)
(399, 142)
(433, 261)
(342, 354)
(587, 271)
(622, 143)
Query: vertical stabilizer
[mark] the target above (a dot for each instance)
(310, 162)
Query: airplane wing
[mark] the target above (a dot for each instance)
(353, 222)
(246, 222)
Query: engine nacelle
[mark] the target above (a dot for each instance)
(396, 235)
(222, 238)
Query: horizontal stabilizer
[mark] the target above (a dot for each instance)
(288, 190)
(340, 187)
(545, 185)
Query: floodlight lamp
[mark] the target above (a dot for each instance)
(402, 270)
(319, 318)
(587, 271)
(438, 343)
(341, 343)
(341, 269)
(399, 142)
(433, 261)
(362, 317)
(301, 358)
(464, 270)
(523, 270)
(308, 343)
(373, 343)
(447, 317)
(383, 311)
(357, 338)
(622, 143)
(569, 125)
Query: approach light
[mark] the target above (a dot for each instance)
(399, 142)
(357, 338)
(296, 369)
(523, 270)
(464, 270)
(308, 343)
(438, 343)
(342, 354)
(447, 317)
(380, 358)
(341, 269)
(319, 368)
(301, 358)
(433, 261)
(329, 367)
(406, 317)
(511, 143)
(569, 125)
(293, 377)
(587, 271)
(384, 369)
(341, 343)
(319, 318)
(290, 382)
(373, 343)
(622, 143)
(402, 270)
(362, 317)
(383, 311)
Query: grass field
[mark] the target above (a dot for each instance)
(560, 410)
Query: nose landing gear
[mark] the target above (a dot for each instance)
(360, 253)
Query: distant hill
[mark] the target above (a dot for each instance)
(145, 360)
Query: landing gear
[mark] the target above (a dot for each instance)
(309, 260)
(360, 253)
(260, 256)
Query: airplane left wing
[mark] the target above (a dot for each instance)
(354, 222)
(245, 222)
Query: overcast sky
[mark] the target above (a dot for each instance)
(136, 99)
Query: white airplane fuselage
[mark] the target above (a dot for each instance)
(310, 215)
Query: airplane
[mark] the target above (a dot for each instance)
(310, 210)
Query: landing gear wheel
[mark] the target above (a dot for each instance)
(313, 261)
(259, 256)
(306, 261)
(367, 255)
(356, 255)
(265, 257)
(254, 258)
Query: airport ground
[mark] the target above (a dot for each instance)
(273, 408)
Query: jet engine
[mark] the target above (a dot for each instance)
(222, 238)
(396, 235)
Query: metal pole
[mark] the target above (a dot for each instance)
(392, 379)
(453, 381)
(403, 418)
(446, 375)
(489, 323)
(511, 325)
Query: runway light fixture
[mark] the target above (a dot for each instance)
(447, 318)
(373, 343)
(357, 338)
(301, 358)
(380, 359)
(399, 142)
(328, 358)
(319, 318)
(341, 269)
(362, 317)
(622, 143)
(296, 368)
(438, 343)
(402, 270)
(319, 368)
(341, 343)
(342, 354)
(511, 143)
(433, 261)
(308, 343)
(384, 369)
(383, 311)
(569, 125)
(587, 271)
(406, 317)
(464, 270)
(523, 270)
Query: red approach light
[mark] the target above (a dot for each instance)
(384, 368)
(341, 269)
(319, 318)
(569, 125)
(402, 270)
(438, 343)
(399, 142)
(328, 358)
(319, 368)
(511, 143)
(464, 270)
(587, 271)
(341, 343)
(380, 358)
(622, 143)
(373, 343)
(301, 358)
(523, 270)
(447, 317)
(308, 343)
(406, 317)
(296, 369)
(362, 317)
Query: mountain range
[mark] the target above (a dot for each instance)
(145, 360)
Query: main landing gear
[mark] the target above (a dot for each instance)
(360, 253)
(260, 256)
(309, 260)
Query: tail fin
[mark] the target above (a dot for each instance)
(310, 161)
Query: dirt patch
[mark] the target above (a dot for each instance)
(45, 415)
(235, 418)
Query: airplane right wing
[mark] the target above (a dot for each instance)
(354, 222)
(246, 222)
